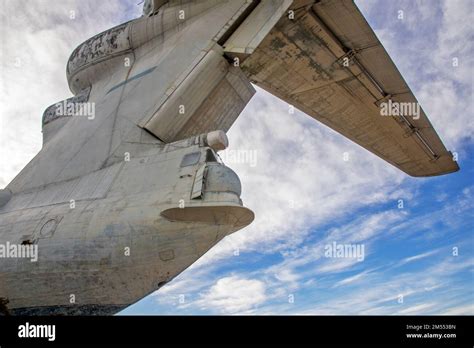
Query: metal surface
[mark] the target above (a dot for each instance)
(119, 203)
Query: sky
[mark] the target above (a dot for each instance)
(308, 186)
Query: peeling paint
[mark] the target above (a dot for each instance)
(109, 42)
(51, 113)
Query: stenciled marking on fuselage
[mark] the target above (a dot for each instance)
(137, 76)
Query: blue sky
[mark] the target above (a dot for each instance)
(305, 195)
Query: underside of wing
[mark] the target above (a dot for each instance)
(323, 58)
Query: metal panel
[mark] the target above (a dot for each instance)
(256, 26)
(91, 186)
(210, 98)
(187, 98)
(198, 182)
(221, 107)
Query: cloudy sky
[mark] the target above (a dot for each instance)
(418, 255)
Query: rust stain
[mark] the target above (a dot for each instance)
(277, 44)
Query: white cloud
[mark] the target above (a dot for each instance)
(417, 309)
(417, 257)
(467, 309)
(354, 279)
(233, 295)
(380, 296)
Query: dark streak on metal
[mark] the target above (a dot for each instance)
(137, 76)
(3, 307)
(90, 310)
